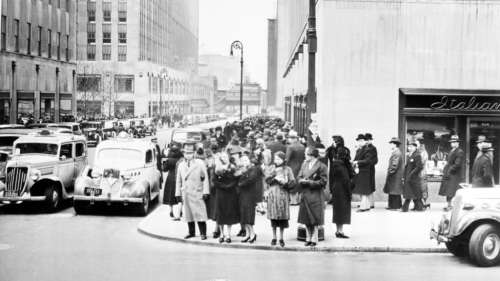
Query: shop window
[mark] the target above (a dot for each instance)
(25, 109)
(433, 135)
(47, 110)
(4, 111)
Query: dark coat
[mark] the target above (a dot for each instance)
(312, 203)
(363, 183)
(453, 173)
(226, 198)
(248, 194)
(395, 173)
(340, 175)
(374, 162)
(170, 166)
(295, 155)
(412, 188)
(276, 146)
(482, 171)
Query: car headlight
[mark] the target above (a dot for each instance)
(36, 174)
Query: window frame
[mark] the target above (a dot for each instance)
(72, 151)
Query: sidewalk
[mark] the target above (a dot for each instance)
(379, 230)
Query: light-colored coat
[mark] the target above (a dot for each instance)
(192, 184)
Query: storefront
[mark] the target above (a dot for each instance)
(47, 107)
(432, 116)
(4, 107)
(124, 109)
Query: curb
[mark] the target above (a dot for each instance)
(363, 249)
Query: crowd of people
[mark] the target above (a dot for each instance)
(262, 166)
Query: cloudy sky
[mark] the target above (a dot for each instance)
(223, 21)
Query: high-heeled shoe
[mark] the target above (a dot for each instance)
(273, 242)
(245, 240)
(221, 240)
(341, 235)
(282, 243)
(251, 241)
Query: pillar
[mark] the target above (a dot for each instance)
(57, 98)
(37, 93)
(13, 94)
(73, 95)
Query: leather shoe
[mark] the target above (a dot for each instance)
(341, 235)
(203, 237)
(273, 242)
(312, 244)
(189, 236)
(307, 244)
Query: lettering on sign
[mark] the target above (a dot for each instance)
(471, 104)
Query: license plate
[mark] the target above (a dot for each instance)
(93, 191)
(10, 194)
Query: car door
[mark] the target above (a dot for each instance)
(81, 159)
(66, 165)
(149, 169)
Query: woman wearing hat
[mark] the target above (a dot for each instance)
(280, 179)
(412, 188)
(169, 166)
(453, 172)
(363, 184)
(395, 173)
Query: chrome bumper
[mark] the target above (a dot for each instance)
(440, 238)
(22, 199)
(92, 199)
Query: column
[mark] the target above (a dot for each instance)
(13, 94)
(37, 93)
(57, 98)
(73, 95)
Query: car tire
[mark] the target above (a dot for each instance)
(143, 208)
(80, 208)
(458, 248)
(484, 245)
(52, 199)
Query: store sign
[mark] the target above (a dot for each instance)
(489, 104)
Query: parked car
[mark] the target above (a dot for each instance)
(43, 168)
(73, 127)
(133, 180)
(4, 157)
(9, 136)
(180, 136)
(472, 228)
(93, 132)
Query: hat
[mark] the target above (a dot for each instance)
(368, 136)
(218, 128)
(279, 137)
(454, 138)
(280, 154)
(314, 152)
(292, 134)
(361, 137)
(481, 138)
(395, 140)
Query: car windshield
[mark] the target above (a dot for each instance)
(40, 148)
(60, 126)
(8, 141)
(183, 137)
(90, 125)
(109, 156)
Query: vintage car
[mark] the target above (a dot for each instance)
(73, 127)
(9, 136)
(43, 168)
(4, 157)
(93, 132)
(183, 135)
(133, 180)
(472, 227)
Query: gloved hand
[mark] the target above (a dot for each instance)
(179, 199)
(205, 196)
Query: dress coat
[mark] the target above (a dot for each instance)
(226, 198)
(363, 183)
(412, 188)
(312, 203)
(277, 194)
(170, 166)
(211, 202)
(482, 171)
(191, 185)
(453, 173)
(340, 185)
(374, 162)
(248, 192)
(294, 158)
(395, 173)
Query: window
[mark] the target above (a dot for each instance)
(122, 53)
(39, 43)
(106, 11)
(16, 34)
(28, 40)
(106, 33)
(106, 52)
(67, 48)
(67, 5)
(91, 10)
(58, 45)
(90, 52)
(122, 11)
(91, 33)
(149, 156)
(79, 149)
(124, 84)
(49, 41)
(66, 151)
(4, 33)
(122, 34)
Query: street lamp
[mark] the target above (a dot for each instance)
(239, 46)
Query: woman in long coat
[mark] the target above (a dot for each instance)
(169, 166)
(412, 188)
(312, 179)
(341, 174)
(363, 183)
(226, 196)
(280, 180)
(395, 173)
(250, 178)
(212, 156)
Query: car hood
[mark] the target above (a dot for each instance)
(479, 193)
(32, 159)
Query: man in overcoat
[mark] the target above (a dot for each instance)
(482, 169)
(412, 188)
(363, 184)
(370, 146)
(395, 173)
(453, 172)
(295, 156)
(192, 188)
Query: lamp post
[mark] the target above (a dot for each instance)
(237, 45)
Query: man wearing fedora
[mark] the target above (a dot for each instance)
(412, 188)
(395, 173)
(363, 161)
(482, 169)
(295, 156)
(370, 146)
(453, 172)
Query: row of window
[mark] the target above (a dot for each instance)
(40, 33)
(123, 84)
(106, 52)
(106, 33)
(58, 2)
(106, 11)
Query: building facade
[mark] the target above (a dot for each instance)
(138, 58)
(414, 69)
(225, 68)
(228, 101)
(37, 60)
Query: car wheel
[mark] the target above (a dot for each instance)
(484, 245)
(52, 199)
(79, 207)
(144, 207)
(458, 248)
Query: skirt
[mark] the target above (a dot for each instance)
(279, 223)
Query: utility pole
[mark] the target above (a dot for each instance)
(311, 73)
(239, 46)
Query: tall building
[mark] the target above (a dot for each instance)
(37, 60)
(417, 70)
(272, 61)
(138, 58)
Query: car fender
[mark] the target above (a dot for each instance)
(39, 186)
(471, 218)
(81, 182)
(137, 187)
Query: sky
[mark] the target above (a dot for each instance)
(223, 21)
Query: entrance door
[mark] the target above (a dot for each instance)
(490, 128)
